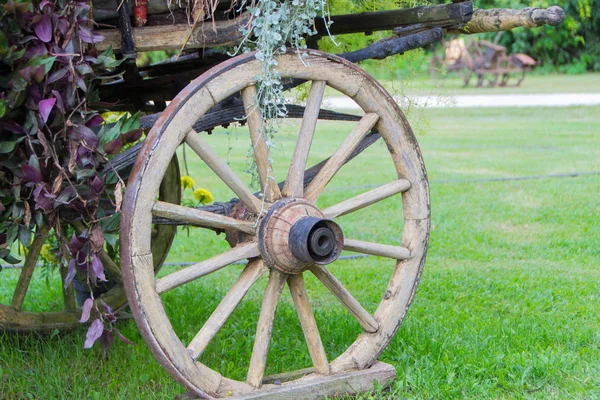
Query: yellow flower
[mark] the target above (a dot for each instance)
(110, 117)
(187, 182)
(48, 255)
(203, 196)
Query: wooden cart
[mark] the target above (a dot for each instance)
(283, 233)
(487, 61)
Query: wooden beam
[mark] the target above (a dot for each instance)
(504, 19)
(171, 37)
(430, 16)
(330, 386)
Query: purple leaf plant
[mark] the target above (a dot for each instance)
(51, 154)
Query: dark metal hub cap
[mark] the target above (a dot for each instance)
(293, 235)
(316, 240)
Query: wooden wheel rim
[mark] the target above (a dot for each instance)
(171, 130)
(25, 321)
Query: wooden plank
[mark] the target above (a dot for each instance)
(27, 271)
(309, 325)
(367, 198)
(264, 328)
(224, 171)
(204, 219)
(198, 270)
(376, 249)
(254, 117)
(254, 270)
(173, 36)
(278, 379)
(294, 184)
(339, 158)
(331, 386)
(438, 15)
(345, 297)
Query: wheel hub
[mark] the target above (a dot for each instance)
(294, 235)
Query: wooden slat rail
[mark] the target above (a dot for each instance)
(170, 37)
(227, 33)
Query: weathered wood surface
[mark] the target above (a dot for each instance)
(264, 328)
(368, 323)
(321, 387)
(367, 198)
(294, 183)
(376, 249)
(259, 145)
(339, 158)
(254, 270)
(196, 217)
(504, 19)
(170, 78)
(173, 36)
(208, 34)
(308, 323)
(430, 16)
(221, 115)
(223, 171)
(198, 270)
(355, 203)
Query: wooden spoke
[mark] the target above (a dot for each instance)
(254, 270)
(338, 159)
(309, 325)
(68, 292)
(376, 249)
(268, 183)
(362, 316)
(200, 218)
(295, 180)
(181, 277)
(208, 155)
(264, 328)
(28, 266)
(367, 198)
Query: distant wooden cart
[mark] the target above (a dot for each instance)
(487, 61)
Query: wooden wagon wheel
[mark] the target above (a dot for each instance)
(14, 317)
(307, 237)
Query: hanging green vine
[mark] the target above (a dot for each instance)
(276, 25)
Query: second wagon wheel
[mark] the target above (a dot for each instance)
(286, 237)
(17, 315)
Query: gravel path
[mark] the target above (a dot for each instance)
(487, 100)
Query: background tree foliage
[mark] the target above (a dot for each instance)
(572, 47)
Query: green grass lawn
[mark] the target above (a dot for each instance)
(508, 305)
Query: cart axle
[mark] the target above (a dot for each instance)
(294, 235)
